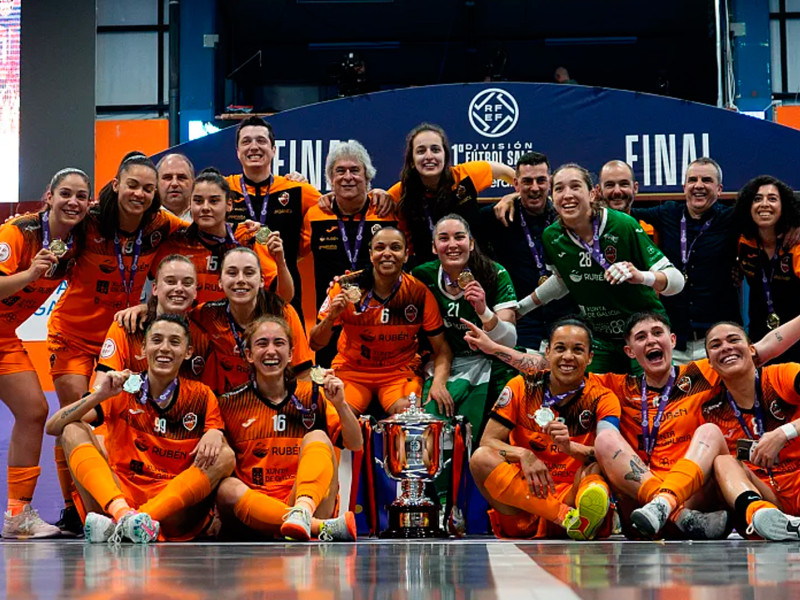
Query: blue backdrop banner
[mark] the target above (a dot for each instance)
(658, 136)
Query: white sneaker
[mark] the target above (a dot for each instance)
(27, 525)
(341, 529)
(297, 525)
(137, 527)
(98, 528)
(772, 524)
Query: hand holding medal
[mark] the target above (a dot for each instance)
(59, 248)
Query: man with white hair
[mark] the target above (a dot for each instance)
(339, 240)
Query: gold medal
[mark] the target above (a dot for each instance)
(318, 375)
(543, 278)
(543, 416)
(773, 321)
(262, 234)
(59, 248)
(465, 278)
(352, 292)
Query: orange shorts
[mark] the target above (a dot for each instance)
(13, 357)
(787, 489)
(69, 356)
(525, 525)
(361, 386)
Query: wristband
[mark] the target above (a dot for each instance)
(789, 430)
(649, 278)
(486, 315)
(526, 305)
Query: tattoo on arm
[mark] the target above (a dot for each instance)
(778, 336)
(67, 412)
(616, 454)
(637, 470)
(703, 444)
(526, 363)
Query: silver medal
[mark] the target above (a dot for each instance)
(543, 416)
(133, 383)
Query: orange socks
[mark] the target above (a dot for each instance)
(93, 473)
(64, 476)
(314, 472)
(260, 512)
(506, 485)
(649, 489)
(21, 483)
(684, 479)
(187, 489)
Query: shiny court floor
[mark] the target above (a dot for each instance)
(481, 569)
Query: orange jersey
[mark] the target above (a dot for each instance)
(232, 370)
(384, 336)
(96, 289)
(123, 350)
(470, 179)
(780, 385)
(207, 257)
(266, 437)
(694, 384)
(147, 445)
(523, 396)
(20, 241)
(322, 237)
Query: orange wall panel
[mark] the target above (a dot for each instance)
(788, 115)
(114, 139)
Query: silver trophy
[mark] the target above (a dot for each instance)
(413, 454)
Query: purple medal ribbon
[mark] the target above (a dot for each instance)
(549, 399)
(767, 281)
(594, 249)
(371, 295)
(531, 243)
(145, 391)
(649, 436)
(686, 249)
(299, 405)
(137, 251)
(46, 232)
(759, 418)
(352, 255)
(216, 239)
(236, 337)
(263, 218)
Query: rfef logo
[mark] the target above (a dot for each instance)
(493, 112)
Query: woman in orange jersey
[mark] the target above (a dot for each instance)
(174, 292)
(224, 321)
(536, 458)
(282, 430)
(207, 239)
(757, 412)
(164, 454)
(378, 351)
(431, 186)
(123, 233)
(35, 252)
(765, 211)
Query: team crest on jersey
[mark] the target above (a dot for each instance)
(284, 198)
(108, 349)
(5, 252)
(684, 384)
(786, 263)
(190, 421)
(141, 444)
(585, 419)
(309, 419)
(155, 239)
(376, 228)
(411, 313)
(198, 365)
(776, 410)
(505, 398)
(461, 192)
(611, 253)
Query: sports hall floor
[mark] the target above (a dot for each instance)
(456, 569)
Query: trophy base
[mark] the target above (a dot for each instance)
(413, 522)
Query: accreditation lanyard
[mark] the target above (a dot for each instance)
(767, 281)
(594, 249)
(686, 248)
(137, 251)
(263, 217)
(649, 436)
(537, 257)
